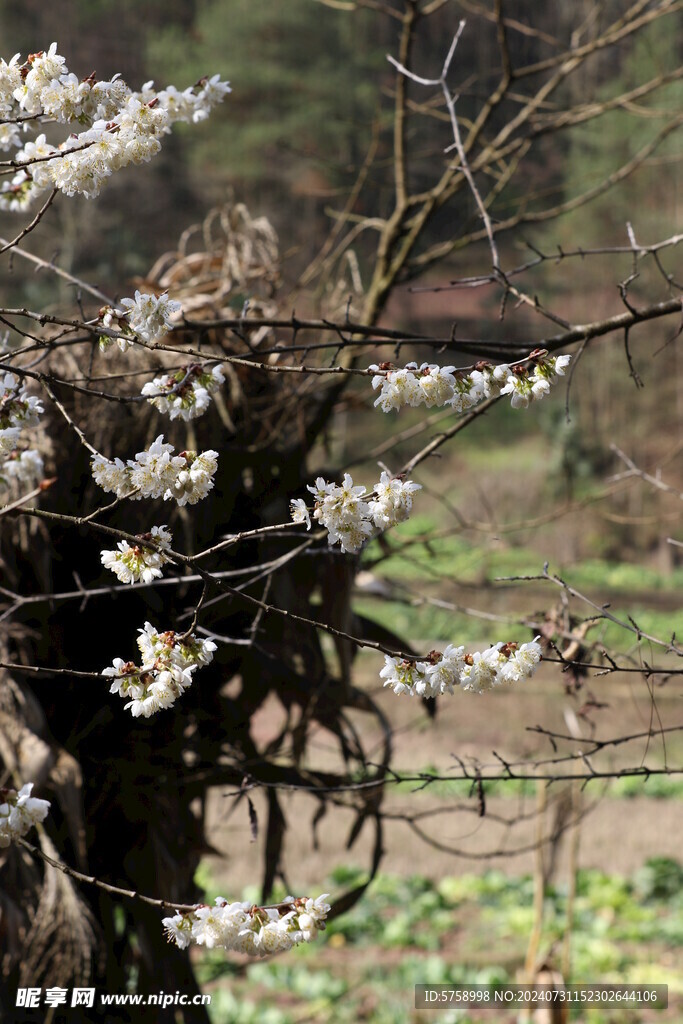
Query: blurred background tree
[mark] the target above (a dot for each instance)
(312, 89)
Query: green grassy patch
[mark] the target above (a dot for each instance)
(421, 565)
(459, 559)
(656, 787)
(462, 929)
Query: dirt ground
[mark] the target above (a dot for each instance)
(616, 835)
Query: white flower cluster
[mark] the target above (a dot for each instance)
(478, 672)
(158, 473)
(25, 468)
(168, 664)
(19, 812)
(17, 410)
(350, 514)
(258, 931)
(139, 562)
(433, 385)
(186, 393)
(147, 318)
(120, 126)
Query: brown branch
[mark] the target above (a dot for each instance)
(105, 886)
(625, 26)
(405, 45)
(34, 223)
(603, 611)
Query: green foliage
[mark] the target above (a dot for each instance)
(589, 161)
(458, 558)
(463, 929)
(395, 916)
(226, 1008)
(661, 878)
(304, 79)
(315, 985)
(655, 787)
(440, 561)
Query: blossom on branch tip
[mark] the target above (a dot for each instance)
(154, 470)
(10, 79)
(195, 480)
(115, 320)
(435, 384)
(300, 513)
(25, 468)
(158, 473)
(403, 675)
(343, 512)
(169, 661)
(521, 663)
(477, 672)
(149, 317)
(139, 562)
(186, 651)
(431, 385)
(211, 92)
(113, 477)
(185, 393)
(18, 409)
(394, 501)
(19, 812)
(244, 928)
(39, 71)
(399, 388)
(520, 389)
(350, 515)
(120, 126)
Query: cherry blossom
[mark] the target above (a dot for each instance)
(169, 662)
(477, 672)
(431, 385)
(19, 812)
(244, 928)
(350, 514)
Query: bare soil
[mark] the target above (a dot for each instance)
(616, 835)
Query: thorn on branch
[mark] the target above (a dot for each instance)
(633, 373)
(253, 819)
(481, 796)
